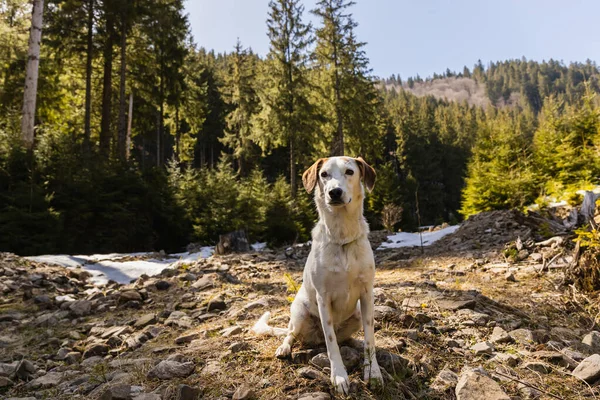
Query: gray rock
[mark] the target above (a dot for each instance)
(205, 282)
(185, 392)
(187, 338)
(454, 305)
(592, 339)
(499, 335)
(96, 349)
(482, 348)
(5, 382)
(46, 320)
(231, 331)
(145, 320)
(444, 380)
(188, 277)
(180, 319)
(171, 369)
(80, 308)
(536, 366)
(244, 392)
(555, 358)
(129, 295)
(118, 392)
(505, 358)
(588, 369)
(216, 304)
(72, 357)
(92, 361)
(315, 396)
(510, 277)
(148, 396)
(47, 381)
(311, 373)
(162, 285)
(393, 363)
(475, 386)
(528, 392)
(523, 336)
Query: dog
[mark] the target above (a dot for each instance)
(337, 290)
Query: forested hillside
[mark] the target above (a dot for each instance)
(146, 140)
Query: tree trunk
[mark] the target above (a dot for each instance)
(105, 134)
(31, 73)
(158, 140)
(337, 149)
(129, 121)
(293, 183)
(122, 127)
(87, 130)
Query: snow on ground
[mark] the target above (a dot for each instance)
(408, 239)
(105, 267)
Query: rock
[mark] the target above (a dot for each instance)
(80, 308)
(42, 300)
(162, 285)
(96, 349)
(47, 381)
(145, 320)
(588, 369)
(499, 335)
(592, 339)
(505, 358)
(171, 369)
(185, 392)
(5, 382)
(556, 358)
(315, 396)
(46, 320)
(117, 392)
(148, 396)
(444, 380)
(188, 277)
(72, 357)
(510, 277)
(216, 304)
(321, 360)
(393, 364)
(528, 392)
(455, 305)
(482, 348)
(422, 318)
(523, 336)
(129, 295)
(311, 373)
(385, 313)
(187, 338)
(536, 257)
(92, 361)
(205, 282)
(537, 366)
(231, 331)
(244, 392)
(475, 386)
(180, 319)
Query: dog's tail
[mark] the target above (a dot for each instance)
(261, 327)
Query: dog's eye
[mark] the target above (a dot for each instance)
(349, 172)
(324, 174)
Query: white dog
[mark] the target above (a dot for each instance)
(337, 290)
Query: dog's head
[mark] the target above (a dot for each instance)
(338, 179)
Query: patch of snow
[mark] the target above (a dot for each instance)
(259, 246)
(105, 267)
(408, 239)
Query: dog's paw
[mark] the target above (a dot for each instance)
(283, 351)
(341, 382)
(373, 375)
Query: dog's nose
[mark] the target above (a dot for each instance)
(336, 194)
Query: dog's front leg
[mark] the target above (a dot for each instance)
(371, 368)
(339, 376)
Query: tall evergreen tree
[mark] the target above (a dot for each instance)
(287, 115)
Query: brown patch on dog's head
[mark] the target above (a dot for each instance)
(311, 175)
(367, 173)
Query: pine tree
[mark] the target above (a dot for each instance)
(287, 115)
(243, 102)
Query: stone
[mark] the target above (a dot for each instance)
(80, 308)
(445, 379)
(315, 396)
(5, 382)
(244, 392)
(185, 392)
(180, 319)
(171, 369)
(118, 392)
(482, 348)
(311, 373)
(188, 277)
(384, 313)
(205, 282)
(145, 320)
(129, 295)
(422, 318)
(47, 381)
(536, 366)
(42, 300)
(475, 386)
(555, 358)
(92, 361)
(187, 338)
(46, 320)
(231, 331)
(148, 396)
(523, 336)
(96, 349)
(216, 304)
(510, 277)
(528, 392)
(162, 285)
(505, 358)
(588, 369)
(499, 335)
(455, 305)
(72, 357)
(592, 339)
(393, 363)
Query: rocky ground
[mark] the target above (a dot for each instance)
(481, 314)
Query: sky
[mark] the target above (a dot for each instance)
(410, 37)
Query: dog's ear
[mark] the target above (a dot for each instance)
(367, 173)
(311, 175)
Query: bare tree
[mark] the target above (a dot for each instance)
(31, 73)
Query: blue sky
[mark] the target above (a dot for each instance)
(426, 36)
